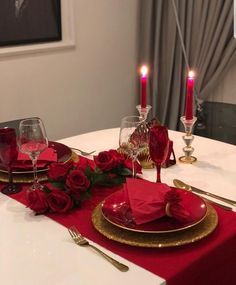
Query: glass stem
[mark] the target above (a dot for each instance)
(133, 167)
(34, 162)
(10, 176)
(158, 166)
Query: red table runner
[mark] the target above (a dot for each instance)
(209, 261)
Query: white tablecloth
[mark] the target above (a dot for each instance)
(36, 250)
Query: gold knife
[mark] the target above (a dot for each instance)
(181, 184)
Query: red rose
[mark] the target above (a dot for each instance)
(173, 196)
(59, 202)
(105, 160)
(37, 201)
(77, 181)
(119, 158)
(128, 164)
(83, 163)
(59, 170)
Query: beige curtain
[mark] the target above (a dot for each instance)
(207, 30)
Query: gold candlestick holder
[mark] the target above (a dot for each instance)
(188, 139)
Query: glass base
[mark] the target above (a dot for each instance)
(143, 111)
(187, 159)
(11, 189)
(36, 186)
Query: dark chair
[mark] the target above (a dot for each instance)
(217, 121)
(13, 124)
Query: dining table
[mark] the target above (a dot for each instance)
(37, 249)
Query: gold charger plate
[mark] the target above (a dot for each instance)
(201, 230)
(23, 178)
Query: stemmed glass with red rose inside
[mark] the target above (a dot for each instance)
(8, 154)
(158, 147)
(132, 139)
(33, 141)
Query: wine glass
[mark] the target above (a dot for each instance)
(8, 154)
(133, 139)
(33, 141)
(158, 147)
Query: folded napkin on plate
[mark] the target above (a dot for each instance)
(24, 161)
(150, 201)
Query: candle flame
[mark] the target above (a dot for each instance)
(144, 70)
(191, 74)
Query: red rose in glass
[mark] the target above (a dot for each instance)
(77, 181)
(105, 160)
(37, 201)
(158, 146)
(59, 170)
(59, 202)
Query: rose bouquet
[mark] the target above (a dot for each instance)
(71, 183)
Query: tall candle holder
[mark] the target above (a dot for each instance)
(188, 138)
(143, 111)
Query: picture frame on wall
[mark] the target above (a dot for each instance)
(27, 22)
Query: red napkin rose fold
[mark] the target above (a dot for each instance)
(150, 201)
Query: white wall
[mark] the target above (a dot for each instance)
(82, 89)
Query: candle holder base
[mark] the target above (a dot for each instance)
(187, 159)
(188, 138)
(143, 111)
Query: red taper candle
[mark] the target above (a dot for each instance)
(143, 80)
(189, 96)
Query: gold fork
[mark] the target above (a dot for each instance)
(85, 153)
(81, 241)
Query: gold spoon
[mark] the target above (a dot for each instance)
(182, 185)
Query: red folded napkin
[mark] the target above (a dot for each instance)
(24, 161)
(150, 201)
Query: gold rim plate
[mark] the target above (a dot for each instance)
(155, 240)
(28, 177)
(64, 155)
(152, 227)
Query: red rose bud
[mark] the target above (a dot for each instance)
(105, 160)
(173, 196)
(59, 202)
(83, 163)
(77, 181)
(174, 207)
(59, 170)
(36, 201)
(118, 158)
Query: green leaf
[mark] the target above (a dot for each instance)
(85, 195)
(57, 184)
(77, 203)
(88, 171)
(126, 172)
(46, 189)
(98, 170)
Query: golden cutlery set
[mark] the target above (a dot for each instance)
(180, 184)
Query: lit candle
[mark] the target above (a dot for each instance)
(189, 96)
(144, 77)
